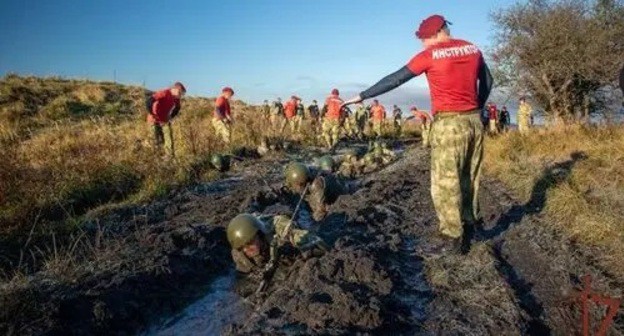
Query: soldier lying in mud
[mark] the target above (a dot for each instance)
(256, 241)
(378, 156)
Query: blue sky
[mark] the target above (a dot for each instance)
(263, 49)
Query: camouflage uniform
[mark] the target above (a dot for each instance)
(524, 117)
(331, 132)
(223, 129)
(456, 155)
(298, 118)
(266, 111)
(360, 117)
(274, 233)
(347, 122)
(397, 120)
(324, 190)
(350, 168)
(277, 116)
(163, 137)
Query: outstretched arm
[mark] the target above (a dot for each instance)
(386, 84)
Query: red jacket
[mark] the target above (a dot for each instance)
(163, 105)
(492, 112)
(452, 70)
(222, 108)
(423, 116)
(290, 109)
(378, 112)
(333, 103)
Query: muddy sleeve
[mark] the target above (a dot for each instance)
(485, 83)
(241, 262)
(388, 83)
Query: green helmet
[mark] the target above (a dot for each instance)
(242, 230)
(326, 163)
(220, 162)
(296, 174)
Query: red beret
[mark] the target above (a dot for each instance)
(431, 26)
(228, 89)
(180, 85)
(335, 92)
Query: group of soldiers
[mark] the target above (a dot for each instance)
(331, 121)
(256, 239)
(497, 121)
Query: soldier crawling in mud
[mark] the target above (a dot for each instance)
(256, 241)
(378, 155)
(319, 188)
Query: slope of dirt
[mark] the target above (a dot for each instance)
(517, 278)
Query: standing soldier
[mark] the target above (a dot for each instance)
(222, 119)
(460, 83)
(503, 120)
(425, 123)
(360, 117)
(163, 106)
(266, 110)
(277, 113)
(346, 122)
(290, 110)
(300, 113)
(331, 118)
(525, 115)
(396, 119)
(314, 113)
(378, 114)
(492, 116)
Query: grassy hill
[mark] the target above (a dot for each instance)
(68, 146)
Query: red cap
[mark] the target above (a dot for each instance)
(335, 92)
(431, 26)
(179, 85)
(228, 89)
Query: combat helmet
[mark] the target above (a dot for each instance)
(220, 162)
(326, 163)
(296, 175)
(242, 230)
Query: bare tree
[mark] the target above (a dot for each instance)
(566, 54)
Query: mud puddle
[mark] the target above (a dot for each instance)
(210, 315)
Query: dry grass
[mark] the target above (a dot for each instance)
(578, 171)
(71, 146)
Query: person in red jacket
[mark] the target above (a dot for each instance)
(331, 119)
(290, 111)
(493, 117)
(378, 114)
(222, 119)
(425, 123)
(459, 83)
(163, 106)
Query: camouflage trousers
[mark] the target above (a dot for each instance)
(425, 133)
(331, 132)
(296, 122)
(524, 123)
(456, 155)
(377, 128)
(347, 125)
(360, 125)
(223, 129)
(493, 126)
(163, 137)
(277, 123)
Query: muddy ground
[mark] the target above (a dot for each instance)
(518, 278)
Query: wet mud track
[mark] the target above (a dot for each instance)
(516, 279)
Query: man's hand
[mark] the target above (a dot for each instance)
(354, 100)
